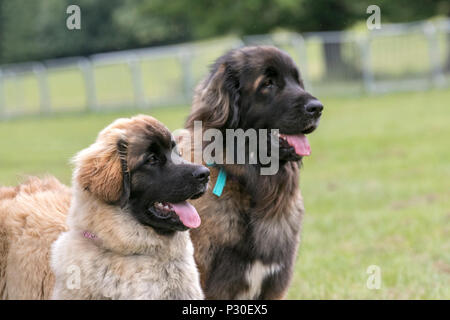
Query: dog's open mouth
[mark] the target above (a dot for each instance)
(185, 212)
(297, 142)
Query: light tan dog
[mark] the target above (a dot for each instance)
(32, 215)
(124, 235)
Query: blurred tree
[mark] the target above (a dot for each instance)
(14, 30)
(206, 18)
(1, 30)
(154, 21)
(33, 30)
(37, 29)
(159, 20)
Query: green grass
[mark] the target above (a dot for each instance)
(376, 189)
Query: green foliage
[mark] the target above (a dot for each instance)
(31, 30)
(405, 10)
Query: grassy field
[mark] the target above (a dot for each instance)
(376, 189)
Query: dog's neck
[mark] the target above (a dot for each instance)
(266, 192)
(117, 230)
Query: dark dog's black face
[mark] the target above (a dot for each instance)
(264, 90)
(272, 96)
(159, 182)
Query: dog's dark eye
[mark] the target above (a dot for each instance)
(267, 84)
(153, 159)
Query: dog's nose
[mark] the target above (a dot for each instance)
(314, 107)
(201, 174)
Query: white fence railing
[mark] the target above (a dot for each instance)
(412, 56)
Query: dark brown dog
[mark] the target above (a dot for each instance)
(248, 240)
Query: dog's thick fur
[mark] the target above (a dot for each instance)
(248, 240)
(127, 258)
(32, 215)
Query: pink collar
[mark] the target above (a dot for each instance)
(89, 235)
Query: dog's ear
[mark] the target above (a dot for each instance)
(216, 101)
(122, 147)
(99, 170)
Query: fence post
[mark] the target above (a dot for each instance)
(136, 76)
(238, 44)
(367, 72)
(87, 70)
(185, 58)
(299, 43)
(44, 92)
(430, 32)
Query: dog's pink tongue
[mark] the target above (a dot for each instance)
(300, 144)
(187, 213)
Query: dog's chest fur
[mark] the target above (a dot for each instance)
(255, 275)
(130, 262)
(104, 274)
(245, 251)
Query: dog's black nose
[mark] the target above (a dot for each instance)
(314, 107)
(201, 174)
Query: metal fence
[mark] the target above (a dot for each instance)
(413, 56)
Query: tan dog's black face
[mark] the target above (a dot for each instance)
(136, 165)
(160, 183)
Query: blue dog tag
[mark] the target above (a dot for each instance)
(220, 182)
